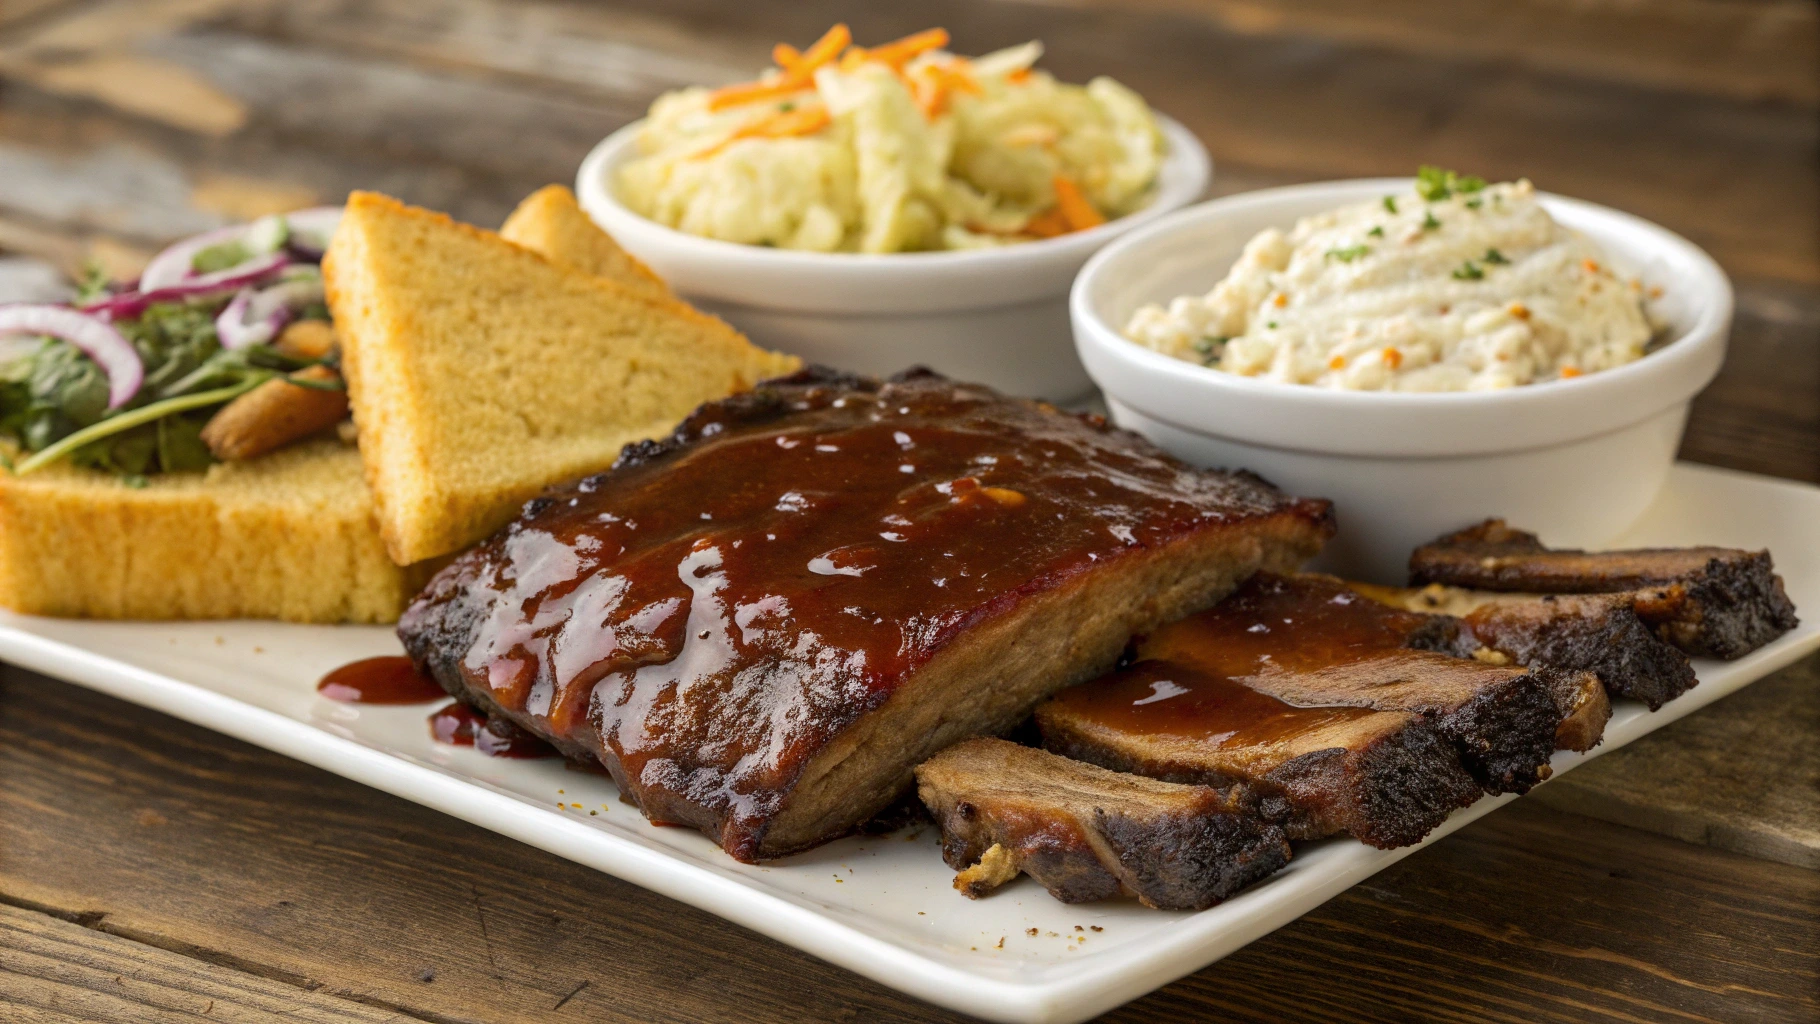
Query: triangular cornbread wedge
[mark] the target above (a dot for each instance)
(480, 372)
(551, 222)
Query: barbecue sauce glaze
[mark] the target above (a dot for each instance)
(1190, 679)
(708, 614)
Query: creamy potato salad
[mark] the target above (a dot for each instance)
(894, 148)
(1454, 285)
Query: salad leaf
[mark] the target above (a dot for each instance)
(180, 445)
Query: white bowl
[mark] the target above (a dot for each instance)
(1576, 460)
(997, 316)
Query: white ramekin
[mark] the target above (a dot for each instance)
(1576, 461)
(997, 316)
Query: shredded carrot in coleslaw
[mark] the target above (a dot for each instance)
(936, 83)
(1075, 207)
(796, 69)
(898, 53)
(798, 74)
(781, 125)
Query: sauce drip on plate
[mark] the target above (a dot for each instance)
(461, 726)
(386, 680)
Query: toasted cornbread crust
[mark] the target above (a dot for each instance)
(481, 372)
(287, 536)
(552, 223)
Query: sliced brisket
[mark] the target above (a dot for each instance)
(1085, 833)
(1312, 641)
(1706, 601)
(1599, 634)
(1384, 777)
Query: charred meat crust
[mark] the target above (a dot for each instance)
(1729, 609)
(769, 749)
(1086, 834)
(1505, 733)
(1600, 634)
(1388, 789)
(1393, 792)
(1705, 601)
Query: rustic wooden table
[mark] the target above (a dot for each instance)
(152, 871)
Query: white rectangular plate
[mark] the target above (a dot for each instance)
(882, 905)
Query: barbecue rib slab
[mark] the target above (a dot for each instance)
(762, 624)
(1312, 641)
(1384, 777)
(1599, 634)
(1705, 601)
(1085, 833)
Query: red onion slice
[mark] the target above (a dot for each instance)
(256, 317)
(127, 305)
(304, 232)
(312, 229)
(176, 263)
(97, 339)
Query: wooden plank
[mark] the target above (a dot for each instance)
(1742, 775)
(597, 51)
(23, 279)
(56, 969)
(12, 12)
(1742, 49)
(409, 98)
(1532, 916)
(195, 842)
(1762, 414)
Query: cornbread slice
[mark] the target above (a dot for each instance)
(552, 223)
(287, 536)
(481, 372)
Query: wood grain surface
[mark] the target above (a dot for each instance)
(1743, 775)
(155, 871)
(251, 863)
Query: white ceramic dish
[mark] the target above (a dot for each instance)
(997, 316)
(882, 906)
(1577, 461)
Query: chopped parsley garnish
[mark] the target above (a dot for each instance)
(786, 106)
(1350, 253)
(1474, 203)
(1209, 347)
(1494, 256)
(1271, 324)
(1469, 271)
(1428, 221)
(1435, 184)
(1377, 231)
(1390, 203)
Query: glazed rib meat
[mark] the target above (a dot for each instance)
(1085, 833)
(762, 624)
(1705, 601)
(1384, 777)
(1312, 641)
(1600, 634)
